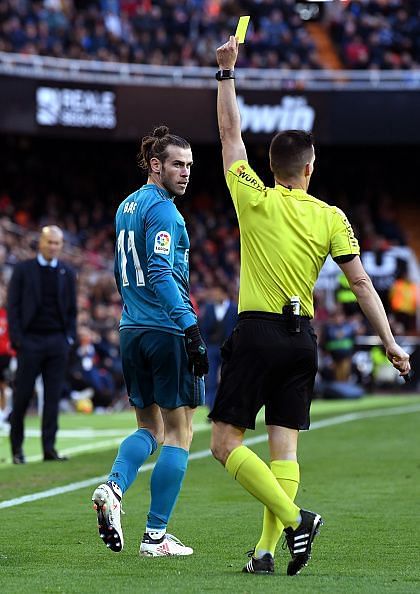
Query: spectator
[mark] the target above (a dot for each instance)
(108, 348)
(404, 301)
(345, 296)
(218, 318)
(357, 53)
(6, 354)
(86, 372)
(338, 341)
(386, 222)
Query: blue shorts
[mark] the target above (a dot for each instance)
(155, 368)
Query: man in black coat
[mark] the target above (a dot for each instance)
(42, 326)
(218, 318)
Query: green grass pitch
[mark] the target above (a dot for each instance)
(361, 472)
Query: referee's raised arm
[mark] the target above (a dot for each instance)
(229, 119)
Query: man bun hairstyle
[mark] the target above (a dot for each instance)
(156, 144)
(290, 151)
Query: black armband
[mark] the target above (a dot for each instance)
(344, 259)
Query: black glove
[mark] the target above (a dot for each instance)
(198, 362)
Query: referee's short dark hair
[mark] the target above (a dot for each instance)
(290, 151)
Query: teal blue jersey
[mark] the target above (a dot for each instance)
(151, 262)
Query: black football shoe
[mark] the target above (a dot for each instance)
(300, 540)
(263, 565)
(18, 458)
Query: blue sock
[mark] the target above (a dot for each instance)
(134, 450)
(165, 485)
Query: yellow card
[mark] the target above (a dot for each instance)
(242, 28)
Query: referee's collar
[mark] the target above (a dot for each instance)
(43, 262)
(282, 187)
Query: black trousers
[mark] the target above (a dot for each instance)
(47, 355)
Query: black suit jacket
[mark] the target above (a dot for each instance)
(208, 320)
(24, 297)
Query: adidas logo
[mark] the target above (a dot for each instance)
(163, 548)
(300, 543)
(250, 566)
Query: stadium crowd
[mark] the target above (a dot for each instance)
(367, 33)
(378, 34)
(168, 32)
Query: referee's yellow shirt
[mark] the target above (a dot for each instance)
(286, 236)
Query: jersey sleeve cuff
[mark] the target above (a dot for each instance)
(345, 252)
(186, 320)
(344, 258)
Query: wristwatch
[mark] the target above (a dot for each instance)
(225, 74)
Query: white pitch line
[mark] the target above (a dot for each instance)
(70, 433)
(338, 420)
(100, 445)
(84, 448)
(83, 433)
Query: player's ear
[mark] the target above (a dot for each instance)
(155, 165)
(308, 169)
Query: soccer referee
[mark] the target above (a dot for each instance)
(271, 357)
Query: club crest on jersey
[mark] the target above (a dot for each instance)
(162, 243)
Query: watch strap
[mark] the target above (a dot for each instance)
(225, 74)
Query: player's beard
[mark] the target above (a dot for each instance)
(171, 187)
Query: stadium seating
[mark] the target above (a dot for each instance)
(164, 33)
(367, 34)
(378, 34)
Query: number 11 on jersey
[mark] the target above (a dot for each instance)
(131, 247)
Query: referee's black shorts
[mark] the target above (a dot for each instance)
(264, 364)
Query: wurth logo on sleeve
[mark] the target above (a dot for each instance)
(251, 180)
(162, 243)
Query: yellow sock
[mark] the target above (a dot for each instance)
(255, 476)
(287, 475)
